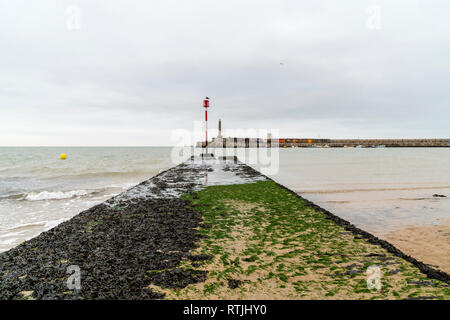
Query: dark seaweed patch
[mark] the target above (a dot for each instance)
(234, 283)
(114, 248)
(177, 278)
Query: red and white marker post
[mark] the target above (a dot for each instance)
(206, 106)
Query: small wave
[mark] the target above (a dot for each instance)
(44, 225)
(55, 195)
(123, 186)
(105, 174)
(13, 195)
(432, 199)
(53, 223)
(26, 226)
(338, 201)
(60, 195)
(369, 190)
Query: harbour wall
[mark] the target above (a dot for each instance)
(234, 142)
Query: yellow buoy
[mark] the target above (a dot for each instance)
(63, 156)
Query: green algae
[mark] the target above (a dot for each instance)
(282, 249)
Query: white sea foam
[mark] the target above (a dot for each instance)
(54, 195)
(124, 186)
(24, 226)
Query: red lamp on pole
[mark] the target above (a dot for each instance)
(206, 106)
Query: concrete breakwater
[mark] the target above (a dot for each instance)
(331, 143)
(212, 228)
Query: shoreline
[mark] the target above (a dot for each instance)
(153, 226)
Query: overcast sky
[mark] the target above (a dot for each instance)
(130, 72)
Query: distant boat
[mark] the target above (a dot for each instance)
(380, 146)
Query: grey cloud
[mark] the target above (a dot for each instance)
(307, 68)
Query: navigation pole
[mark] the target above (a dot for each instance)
(206, 106)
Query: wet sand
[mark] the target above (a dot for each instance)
(429, 244)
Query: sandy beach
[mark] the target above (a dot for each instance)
(430, 244)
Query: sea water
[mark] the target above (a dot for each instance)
(376, 189)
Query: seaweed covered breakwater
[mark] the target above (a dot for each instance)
(116, 243)
(267, 243)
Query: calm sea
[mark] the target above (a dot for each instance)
(379, 189)
(376, 189)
